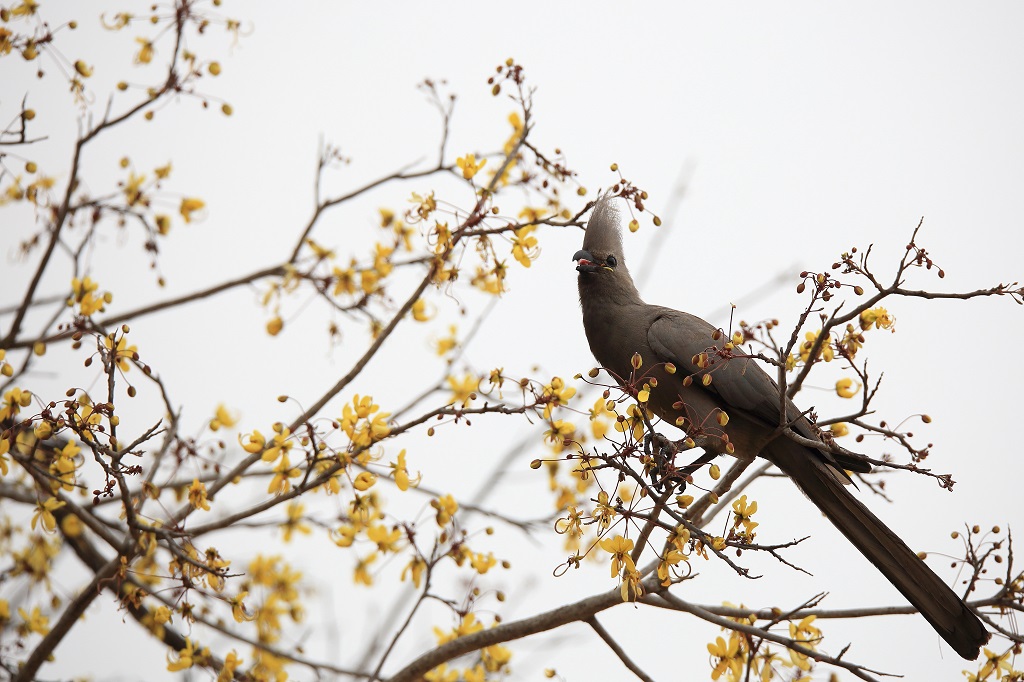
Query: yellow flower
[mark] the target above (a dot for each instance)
(254, 442)
(467, 626)
(742, 512)
(633, 423)
(357, 424)
(322, 253)
(44, 510)
(344, 281)
(852, 341)
(13, 401)
(386, 539)
(839, 429)
(24, 8)
(445, 345)
(826, 353)
(35, 621)
(531, 214)
(483, 562)
(415, 569)
(86, 418)
(401, 473)
(805, 633)
(446, 506)
(878, 317)
(185, 658)
(362, 571)
(463, 390)
(619, 547)
(121, 19)
(364, 481)
(671, 558)
(238, 611)
(382, 264)
(368, 281)
(294, 523)
(145, 53)
(995, 664)
(190, 205)
(604, 512)
(71, 450)
(632, 588)
(469, 166)
(495, 657)
(598, 426)
(123, 353)
(344, 536)
(424, 205)
(510, 144)
(231, 663)
(572, 524)
(71, 525)
(280, 445)
(163, 223)
(420, 312)
(283, 471)
(197, 495)
(558, 431)
(85, 295)
(491, 281)
(524, 245)
(362, 407)
(556, 393)
(224, 417)
(730, 657)
(846, 388)
(440, 237)
(133, 189)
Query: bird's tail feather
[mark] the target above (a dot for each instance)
(940, 606)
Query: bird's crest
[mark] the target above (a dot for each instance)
(603, 233)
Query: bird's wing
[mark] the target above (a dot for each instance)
(739, 382)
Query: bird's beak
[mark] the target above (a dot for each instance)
(585, 262)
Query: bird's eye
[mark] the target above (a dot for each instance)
(611, 261)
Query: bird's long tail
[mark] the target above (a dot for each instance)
(940, 606)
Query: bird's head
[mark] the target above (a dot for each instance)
(588, 262)
(602, 245)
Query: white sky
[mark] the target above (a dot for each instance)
(805, 129)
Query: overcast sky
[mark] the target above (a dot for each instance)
(799, 131)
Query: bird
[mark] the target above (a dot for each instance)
(693, 380)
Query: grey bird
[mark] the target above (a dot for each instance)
(619, 324)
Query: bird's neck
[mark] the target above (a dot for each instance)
(603, 289)
(606, 299)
